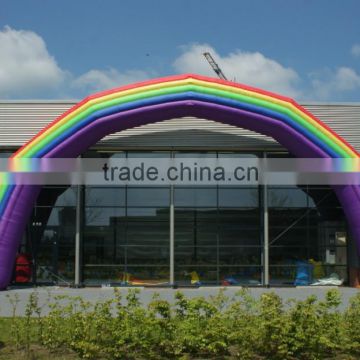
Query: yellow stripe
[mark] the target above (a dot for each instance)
(285, 104)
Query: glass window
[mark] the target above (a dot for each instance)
(238, 197)
(287, 197)
(107, 216)
(148, 234)
(147, 214)
(101, 196)
(218, 232)
(195, 197)
(57, 196)
(305, 224)
(239, 255)
(148, 197)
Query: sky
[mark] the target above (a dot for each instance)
(305, 49)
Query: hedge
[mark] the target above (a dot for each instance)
(219, 327)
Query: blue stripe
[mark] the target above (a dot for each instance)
(4, 201)
(186, 96)
(189, 95)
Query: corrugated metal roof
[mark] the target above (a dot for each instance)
(20, 120)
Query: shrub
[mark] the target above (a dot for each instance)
(217, 327)
(352, 325)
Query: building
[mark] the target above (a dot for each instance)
(181, 235)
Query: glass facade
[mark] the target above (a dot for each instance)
(51, 235)
(126, 232)
(218, 233)
(307, 228)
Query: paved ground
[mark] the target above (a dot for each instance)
(94, 294)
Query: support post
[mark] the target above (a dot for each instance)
(79, 235)
(266, 229)
(172, 236)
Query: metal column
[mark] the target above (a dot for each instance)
(172, 237)
(266, 229)
(79, 235)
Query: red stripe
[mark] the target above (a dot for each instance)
(98, 95)
(302, 109)
(181, 77)
(289, 100)
(240, 86)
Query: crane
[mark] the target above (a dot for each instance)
(214, 65)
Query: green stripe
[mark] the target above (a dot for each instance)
(2, 191)
(183, 88)
(284, 110)
(101, 106)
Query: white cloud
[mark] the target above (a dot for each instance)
(355, 50)
(28, 70)
(330, 84)
(251, 68)
(97, 80)
(26, 66)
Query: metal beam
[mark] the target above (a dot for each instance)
(214, 65)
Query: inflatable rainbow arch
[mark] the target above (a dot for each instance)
(160, 99)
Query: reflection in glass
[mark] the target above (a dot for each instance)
(212, 241)
(195, 197)
(129, 243)
(218, 233)
(109, 196)
(148, 197)
(238, 197)
(53, 234)
(306, 242)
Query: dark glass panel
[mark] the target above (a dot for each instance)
(147, 233)
(98, 251)
(57, 196)
(287, 198)
(238, 197)
(285, 217)
(104, 217)
(148, 197)
(101, 196)
(285, 255)
(245, 217)
(195, 255)
(145, 255)
(195, 197)
(53, 234)
(208, 215)
(147, 214)
(291, 236)
(103, 274)
(283, 275)
(231, 255)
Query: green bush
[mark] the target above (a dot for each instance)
(219, 327)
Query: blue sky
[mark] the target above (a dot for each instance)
(306, 49)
